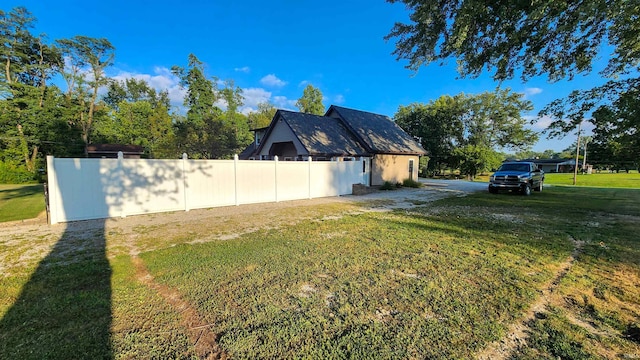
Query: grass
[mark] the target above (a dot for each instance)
(440, 281)
(619, 180)
(604, 180)
(20, 202)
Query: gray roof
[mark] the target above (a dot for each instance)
(377, 132)
(322, 135)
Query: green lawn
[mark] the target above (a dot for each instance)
(604, 180)
(620, 180)
(19, 202)
(440, 281)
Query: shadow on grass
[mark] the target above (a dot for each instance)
(20, 191)
(64, 310)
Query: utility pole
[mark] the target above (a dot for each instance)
(575, 168)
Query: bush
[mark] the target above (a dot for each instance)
(11, 174)
(411, 183)
(388, 185)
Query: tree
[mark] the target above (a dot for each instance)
(139, 116)
(558, 38)
(476, 158)
(97, 54)
(236, 125)
(616, 140)
(262, 116)
(530, 154)
(311, 101)
(207, 131)
(27, 111)
(437, 125)
(494, 119)
(466, 131)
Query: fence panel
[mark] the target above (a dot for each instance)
(150, 186)
(80, 192)
(256, 181)
(209, 183)
(81, 189)
(293, 180)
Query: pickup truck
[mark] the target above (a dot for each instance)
(517, 175)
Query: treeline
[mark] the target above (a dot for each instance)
(39, 118)
(475, 133)
(469, 133)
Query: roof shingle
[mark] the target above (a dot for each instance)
(378, 132)
(322, 135)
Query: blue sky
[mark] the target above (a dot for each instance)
(272, 49)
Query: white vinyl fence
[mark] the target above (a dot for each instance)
(81, 189)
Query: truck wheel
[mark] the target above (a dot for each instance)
(526, 190)
(493, 190)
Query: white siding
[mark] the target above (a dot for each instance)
(281, 132)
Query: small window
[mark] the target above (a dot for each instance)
(411, 169)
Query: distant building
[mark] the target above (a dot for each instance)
(110, 151)
(554, 165)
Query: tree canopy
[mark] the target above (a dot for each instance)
(311, 101)
(556, 38)
(466, 131)
(37, 118)
(559, 39)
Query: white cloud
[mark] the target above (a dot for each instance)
(338, 99)
(303, 83)
(161, 80)
(538, 123)
(532, 91)
(244, 69)
(273, 81)
(281, 102)
(255, 96)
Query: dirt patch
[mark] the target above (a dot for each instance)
(517, 334)
(205, 341)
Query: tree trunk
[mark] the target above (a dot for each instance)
(43, 82)
(7, 70)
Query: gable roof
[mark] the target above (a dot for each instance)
(377, 132)
(321, 135)
(343, 132)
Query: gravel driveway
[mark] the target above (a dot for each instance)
(431, 190)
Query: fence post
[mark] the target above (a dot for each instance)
(185, 183)
(235, 178)
(309, 159)
(53, 200)
(275, 162)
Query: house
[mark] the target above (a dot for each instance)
(554, 165)
(342, 134)
(110, 151)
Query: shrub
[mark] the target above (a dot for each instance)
(387, 186)
(11, 174)
(411, 183)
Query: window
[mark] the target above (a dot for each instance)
(411, 169)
